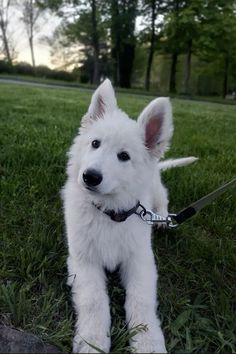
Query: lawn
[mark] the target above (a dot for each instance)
(197, 262)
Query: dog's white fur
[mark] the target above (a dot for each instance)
(95, 241)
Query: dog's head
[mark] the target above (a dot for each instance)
(114, 155)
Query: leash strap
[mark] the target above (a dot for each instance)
(195, 207)
(174, 220)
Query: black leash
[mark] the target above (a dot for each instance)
(172, 220)
(195, 207)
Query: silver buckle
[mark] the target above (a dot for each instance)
(152, 218)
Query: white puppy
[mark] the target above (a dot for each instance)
(113, 164)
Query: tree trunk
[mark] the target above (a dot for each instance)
(6, 48)
(115, 39)
(95, 41)
(226, 76)
(123, 16)
(151, 49)
(31, 31)
(126, 64)
(5, 39)
(31, 43)
(174, 55)
(172, 84)
(115, 70)
(127, 42)
(187, 69)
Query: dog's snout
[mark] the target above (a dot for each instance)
(92, 177)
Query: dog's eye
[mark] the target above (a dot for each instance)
(96, 144)
(123, 156)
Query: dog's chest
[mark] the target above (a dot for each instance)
(112, 242)
(108, 243)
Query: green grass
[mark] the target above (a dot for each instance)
(197, 262)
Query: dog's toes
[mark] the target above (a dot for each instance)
(150, 348)
(82, 347)
(90, 344)
(146, 343)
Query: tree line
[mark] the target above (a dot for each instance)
(99, 38)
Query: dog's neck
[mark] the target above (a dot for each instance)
(120, 215)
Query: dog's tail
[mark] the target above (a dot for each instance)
(166, 164)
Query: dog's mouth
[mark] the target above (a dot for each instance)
(97, 191)
(92, 189)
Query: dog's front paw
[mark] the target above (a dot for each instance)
(89, 343)
(148, 343)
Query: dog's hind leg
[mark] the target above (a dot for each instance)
(140, 280)
(92, 307)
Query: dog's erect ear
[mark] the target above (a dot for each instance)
(103, 101)
(156, 123)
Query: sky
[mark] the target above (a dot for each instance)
(42, 55)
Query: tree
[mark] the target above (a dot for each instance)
(173, 34)
(152, 43)
(82, 26)
(123, 40)
(218, 37)
(182, 29)
(203, 27)
(189, 26)
(151, 10)
(95, 42)
(4, 21)
(31, 11)
(65, 55)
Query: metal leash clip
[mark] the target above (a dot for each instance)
(152, 218)
(174, 220)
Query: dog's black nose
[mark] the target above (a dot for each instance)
(92, 177)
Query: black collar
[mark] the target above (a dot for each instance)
(121, 215)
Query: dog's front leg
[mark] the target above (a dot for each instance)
(92, 306)
(160, 202)
(140, 280)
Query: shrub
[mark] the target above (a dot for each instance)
(5, 67)
(23, 69)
